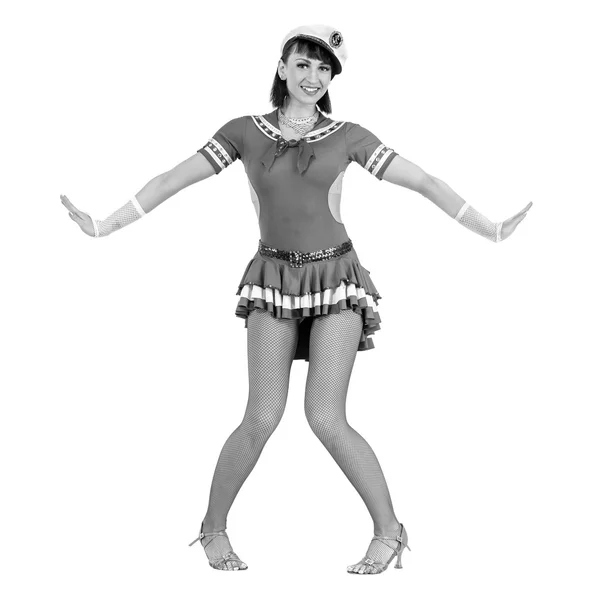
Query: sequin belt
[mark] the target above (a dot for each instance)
(297, 258)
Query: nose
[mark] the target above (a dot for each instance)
(313, 77)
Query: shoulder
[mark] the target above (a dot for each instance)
(234, 128)
(240, 121)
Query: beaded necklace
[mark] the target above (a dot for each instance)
(300, 125)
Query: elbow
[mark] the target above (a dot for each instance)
(427, 185)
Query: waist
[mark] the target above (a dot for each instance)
(297, 259)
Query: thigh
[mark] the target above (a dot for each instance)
(271, 348)
(334, 340)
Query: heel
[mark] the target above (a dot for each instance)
(218, 562)
(398, 564)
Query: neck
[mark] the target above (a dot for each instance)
(297, 110)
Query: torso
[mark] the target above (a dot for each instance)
(299, 212)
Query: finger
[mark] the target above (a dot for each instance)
(518, 220)
(66, 202)
(72, 208)
(527, 208)
(522, 212)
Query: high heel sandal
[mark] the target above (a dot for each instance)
(217, 563)
(381, 567)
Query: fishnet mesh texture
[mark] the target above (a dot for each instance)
(122, 216)
(271, 347)
(475, 221)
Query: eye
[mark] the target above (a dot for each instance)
(324, 67)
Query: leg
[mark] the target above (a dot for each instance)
(271, 347)
(333, 347)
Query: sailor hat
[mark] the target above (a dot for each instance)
(324, 35)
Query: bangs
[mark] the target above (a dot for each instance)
(312, 50)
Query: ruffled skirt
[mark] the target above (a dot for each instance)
(315, 289)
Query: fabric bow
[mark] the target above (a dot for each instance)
(305, 153)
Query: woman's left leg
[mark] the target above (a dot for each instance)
(334, 342)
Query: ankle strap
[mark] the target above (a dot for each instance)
(398, 538)
(203, 535)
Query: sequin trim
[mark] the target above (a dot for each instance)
(297, 258)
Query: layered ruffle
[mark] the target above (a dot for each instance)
(315, 289)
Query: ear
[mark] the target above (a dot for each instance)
(281, 69)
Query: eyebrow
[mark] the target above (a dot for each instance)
(309, 60)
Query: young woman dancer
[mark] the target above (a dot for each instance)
(304, 295)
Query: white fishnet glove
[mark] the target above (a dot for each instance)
(496, 232)
(127, 214)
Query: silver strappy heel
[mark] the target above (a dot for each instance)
(218, 562)
(381, 567)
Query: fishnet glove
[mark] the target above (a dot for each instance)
(127, 214)
(476, 222)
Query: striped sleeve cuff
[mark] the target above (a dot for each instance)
(216, 155)
(380, 160)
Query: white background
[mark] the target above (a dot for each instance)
(125, 368)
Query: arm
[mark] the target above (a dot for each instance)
(402, 172)
(155, 192)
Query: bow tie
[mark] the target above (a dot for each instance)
(305, 153)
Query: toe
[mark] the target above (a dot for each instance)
(362, 569)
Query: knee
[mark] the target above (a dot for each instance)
(260, 425)
(324, 424)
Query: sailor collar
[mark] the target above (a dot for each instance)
(269, 126)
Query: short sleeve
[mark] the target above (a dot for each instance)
(367, 150)
(226, 145)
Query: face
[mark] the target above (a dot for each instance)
(301, 72)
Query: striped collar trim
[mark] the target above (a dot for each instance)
(315, 135)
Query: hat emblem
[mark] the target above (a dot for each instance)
(335, 39)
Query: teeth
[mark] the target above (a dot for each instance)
(309, 89)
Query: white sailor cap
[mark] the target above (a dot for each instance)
(324, 35)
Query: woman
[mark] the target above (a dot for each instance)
(304, 295)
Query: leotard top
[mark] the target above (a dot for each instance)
(296, 186)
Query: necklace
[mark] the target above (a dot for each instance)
(300, 125)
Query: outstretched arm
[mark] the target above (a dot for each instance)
(402, 172)
(155, 192)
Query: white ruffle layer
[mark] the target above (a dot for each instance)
(252, 291)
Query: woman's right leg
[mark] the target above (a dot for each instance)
(271, 349)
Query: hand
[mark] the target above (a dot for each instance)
(82, 219)
(510, 225)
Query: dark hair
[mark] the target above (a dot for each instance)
(302, 46)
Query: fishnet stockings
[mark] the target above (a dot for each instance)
(271, 347)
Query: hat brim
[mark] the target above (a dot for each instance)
(336, 63)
